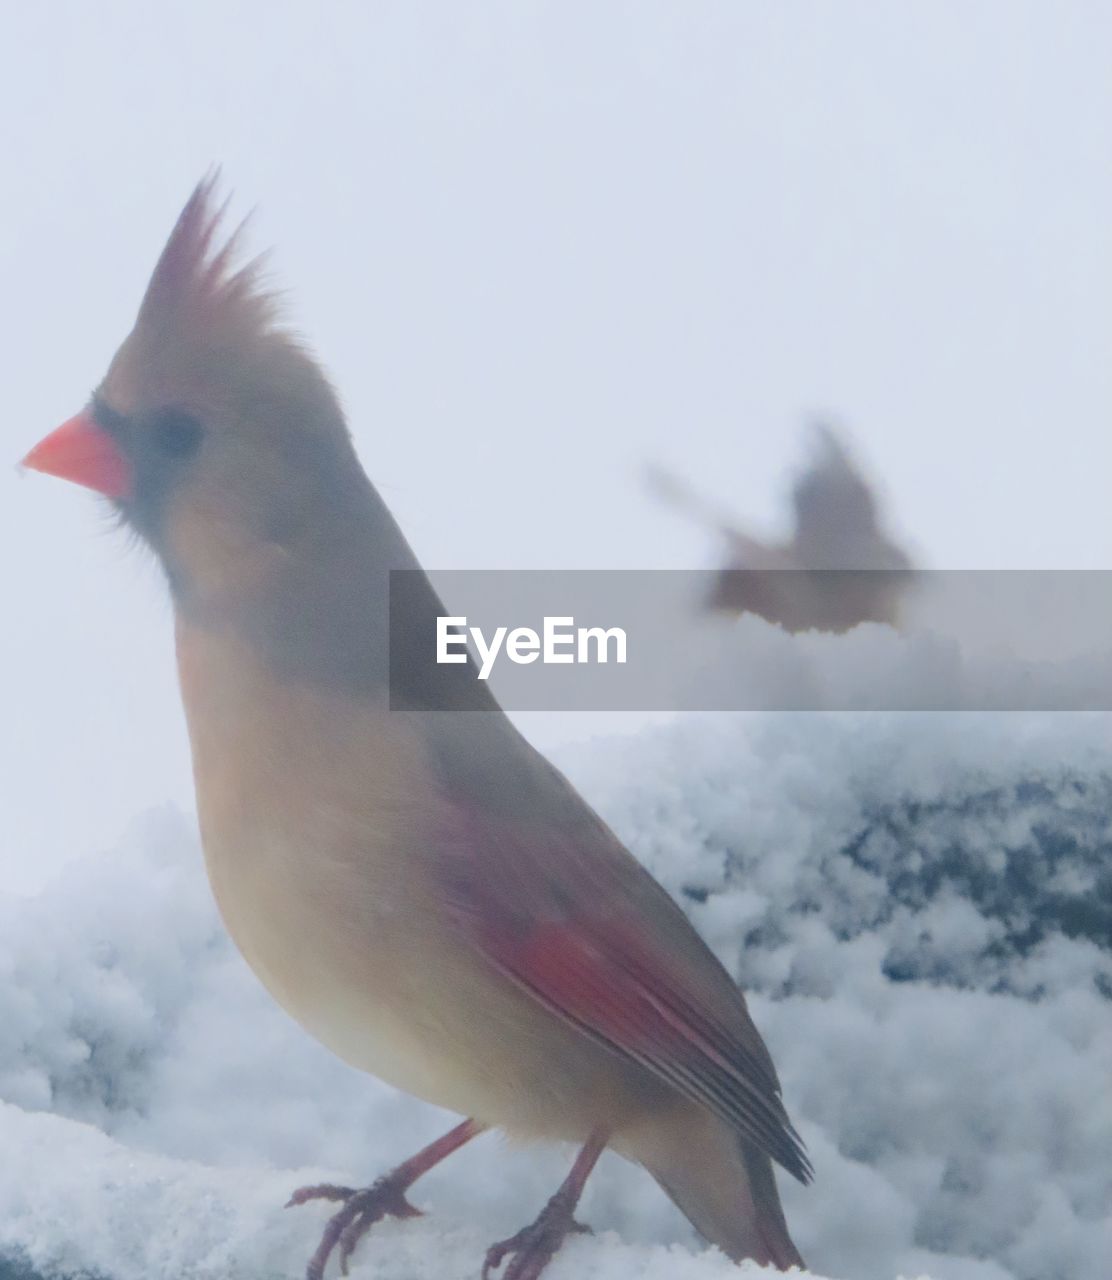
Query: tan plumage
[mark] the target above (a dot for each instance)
(421, 890)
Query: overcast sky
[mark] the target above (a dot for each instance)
(538, 245)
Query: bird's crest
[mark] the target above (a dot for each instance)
(197, 286)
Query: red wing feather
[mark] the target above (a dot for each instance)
(614, 989)
(553, 899)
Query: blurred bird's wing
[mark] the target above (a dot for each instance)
(837, 518)
(835, 510)
(680, 494)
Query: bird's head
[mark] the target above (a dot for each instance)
(214, 432)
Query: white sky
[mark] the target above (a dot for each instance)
(538, 244)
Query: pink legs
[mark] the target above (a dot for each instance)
(534, 1246)
(529, 1251)
(385, 1198)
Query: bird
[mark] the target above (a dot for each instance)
(839, 569)
(409, 878)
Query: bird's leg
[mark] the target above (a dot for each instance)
(384, 1198)
(534, 1246)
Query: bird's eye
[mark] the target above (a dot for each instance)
(176, 434)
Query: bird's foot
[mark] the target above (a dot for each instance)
(361, 1210)
(534, 1246)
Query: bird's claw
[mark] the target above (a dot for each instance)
(534, 1246)
(361, 1210)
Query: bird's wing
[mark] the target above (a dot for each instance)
(835, 508)
(562, 909)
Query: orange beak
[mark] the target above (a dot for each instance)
(82, 451)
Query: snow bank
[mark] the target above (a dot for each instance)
(971, 642)
(921, 907)
(81, 1202)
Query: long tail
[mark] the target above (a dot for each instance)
(724, 1187)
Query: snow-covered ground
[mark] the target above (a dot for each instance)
(920, 905)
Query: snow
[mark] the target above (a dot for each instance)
(919, 904)
(969, 641)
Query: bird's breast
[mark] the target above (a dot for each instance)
(319, 819)
(313, 813)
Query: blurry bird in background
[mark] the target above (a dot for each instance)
(839, 569)
(422, 890)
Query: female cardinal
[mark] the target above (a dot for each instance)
(420, 889)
